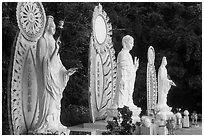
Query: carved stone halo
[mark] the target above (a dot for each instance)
(31, 19)
(101, 28)
(151, 55)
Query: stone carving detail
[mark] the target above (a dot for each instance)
(151, 80)
(24, 108)
(31, 19)
(23, 87)
(102, 66)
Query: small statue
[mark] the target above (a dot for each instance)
(186, 119)
(179, 120)
(126, 73)
(194, 118)
(164, 85)
(170, 126)
(52, 78)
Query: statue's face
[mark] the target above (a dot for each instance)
(52, 27)
(129, 44)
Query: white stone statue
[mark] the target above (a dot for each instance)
(126, 73)
(186, 123)
(194, 118)
(164, 85)
(52, 78)
(179, 120)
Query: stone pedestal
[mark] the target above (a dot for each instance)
(135, 114)
(152, 130)
(162, 130)
(145, 130)
(60, 131)
(186, 121)
(178, 126)
(167, 114)
(96, 125)
(96, 128)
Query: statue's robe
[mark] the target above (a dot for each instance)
(51, 81)
(164, 86)
(126, 74)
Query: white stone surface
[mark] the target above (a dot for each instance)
(135, 114)
(52, 78)
(102, 65)
(164, 85)
(162, 131)
(179, 120)
(152, 89)
(186, 121)
(126, 73)
(145, 130)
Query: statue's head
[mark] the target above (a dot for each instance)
(164, 61)
(128, 42)
(50, 25)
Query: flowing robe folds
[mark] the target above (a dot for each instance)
(164, 85)
(126, 74)
(51, 80)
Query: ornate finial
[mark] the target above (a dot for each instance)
(100, 7)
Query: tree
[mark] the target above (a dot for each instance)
(174, 30)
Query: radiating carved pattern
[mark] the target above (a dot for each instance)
(16, 88)
(151, 80)
(18, 116)
(31, 19)
(152, 87)
(101, 47)
(109, 71)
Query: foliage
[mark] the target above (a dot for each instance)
(75, 44)
(122, 124)
(74, 115)
(174, 30)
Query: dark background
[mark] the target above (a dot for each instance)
(173, 29)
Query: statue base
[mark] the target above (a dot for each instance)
(60, 131)
(96, 125)
(167, 114)
(135, 113)
(165, 110)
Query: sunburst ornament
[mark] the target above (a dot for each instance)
(102, 29)
(102, 66)
(31, 19)
(151, 80)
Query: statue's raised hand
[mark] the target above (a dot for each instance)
(58, 42)
(71, 71)
(172, 83)
(136, 63)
